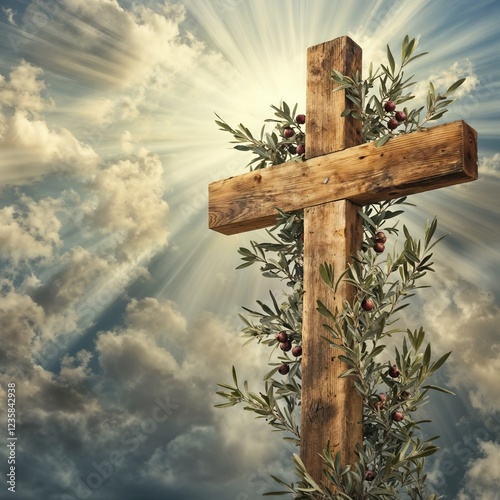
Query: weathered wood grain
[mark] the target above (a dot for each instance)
(331, 408)
(429, 159)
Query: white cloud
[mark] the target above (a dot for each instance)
(80, 410)
(127, 142)
(482, 481)
(103, 44)
(490, 165)
(154, 316)
(29, 148)
(21, 319)
(443, 79)
(30, 229)
(10, 13)
(23, 89)
(462, 318)
(129, 207)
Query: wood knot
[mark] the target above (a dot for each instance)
(257, 178)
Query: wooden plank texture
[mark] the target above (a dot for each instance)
(430, 159)
(331, 407)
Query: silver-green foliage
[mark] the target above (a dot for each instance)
(394, 450)
(389, 83)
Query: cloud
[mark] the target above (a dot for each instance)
(79, 269)
(443, 79)
(103, 44)
(29, 148)
(9, 13)
(64, 298)
(463, 318)
(150, 314)
(29, 229)
(490, 165)
(21, 319)
(129, 207)
(482, 481)
(23, 88)
(152, 409)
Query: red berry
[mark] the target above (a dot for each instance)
(281, 337)
(390, 106)
(288, 132)
(379, 247)
(382, 397)
(368, 304)
(392, 124)
(394, 371)
(400, 116)
(301, 149)
(297, 351)
(300, 119)
(286, 346)
(370, 475)
(397, 416)
(284, 369)
(381, 237)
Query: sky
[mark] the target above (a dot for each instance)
(119, 308)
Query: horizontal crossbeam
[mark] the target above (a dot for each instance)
(412, 163)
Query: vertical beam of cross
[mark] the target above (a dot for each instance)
(331, 408)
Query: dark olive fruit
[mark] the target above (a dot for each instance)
(368, 304)
(297, 351)
(392, 124)
(301, 149)
(394, 371)
(300, 119)
(281, 337)
(381, 237)
(370, 475)
(379, 247)
(286, 345)
(390, 106)
(400, 116)
(288, 132)
(284, 369)
(397, 416)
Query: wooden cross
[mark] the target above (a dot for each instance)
(339, 176)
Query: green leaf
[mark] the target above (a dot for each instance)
(435, 366)
(324, 311)
(380, 142)
(416, 57)
(245, 264)
(326, 273)
(455, 86)
(390, 58)
(437, 116)
(437, 388)
(225, 405)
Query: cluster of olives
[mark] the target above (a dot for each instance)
(285, 344)
(398, 118)
(289, 133)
